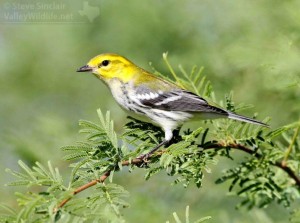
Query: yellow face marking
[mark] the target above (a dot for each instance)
(107, 66)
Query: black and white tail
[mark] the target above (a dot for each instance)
(245, 119)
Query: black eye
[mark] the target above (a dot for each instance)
(105, 63)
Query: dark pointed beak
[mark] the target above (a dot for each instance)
(85, 68)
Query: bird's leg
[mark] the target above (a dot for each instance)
(169, 137)
(147, 155)
(176, 137)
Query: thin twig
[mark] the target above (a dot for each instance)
(215, 146)
(94, 182)
(243, 148)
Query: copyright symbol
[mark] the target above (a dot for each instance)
(6, 6)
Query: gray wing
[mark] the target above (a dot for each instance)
(176, 100)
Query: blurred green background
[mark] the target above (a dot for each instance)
(250, 47)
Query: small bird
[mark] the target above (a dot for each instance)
(143, 93)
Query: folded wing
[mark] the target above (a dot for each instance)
(176, 100)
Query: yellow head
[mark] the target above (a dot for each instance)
(107, 66)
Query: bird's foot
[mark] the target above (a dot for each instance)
(144, 157)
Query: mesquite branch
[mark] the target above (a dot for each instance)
(215, 146)
(245, 149)
(94, 182)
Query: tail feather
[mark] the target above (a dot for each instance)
(245, 119)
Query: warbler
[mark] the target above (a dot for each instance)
(143, 93)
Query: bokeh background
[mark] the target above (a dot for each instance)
(250, 47)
